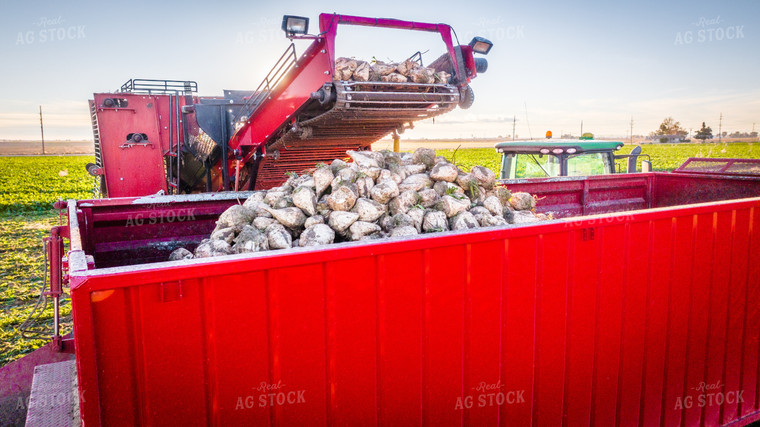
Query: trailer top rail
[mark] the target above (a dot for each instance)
(744, 167)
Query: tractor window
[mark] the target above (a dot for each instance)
(536, 166)
(588, 164)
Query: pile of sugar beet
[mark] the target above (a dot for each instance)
(376, 195)
(407, 71)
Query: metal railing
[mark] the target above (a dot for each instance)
(151, 86)
(270, 82)
(728, 166)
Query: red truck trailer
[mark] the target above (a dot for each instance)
(637, 306)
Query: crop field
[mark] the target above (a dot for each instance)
(30, 185)
(28, 188)
(665, 157)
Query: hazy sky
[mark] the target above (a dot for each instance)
(561, 62)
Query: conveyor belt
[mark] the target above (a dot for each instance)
(363, 112)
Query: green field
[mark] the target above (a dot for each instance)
(30, 185)
(665, 157)
(28, 188)
(34, 183)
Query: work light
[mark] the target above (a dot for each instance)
(481, 45)
(293, 25)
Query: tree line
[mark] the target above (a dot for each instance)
(670, 128)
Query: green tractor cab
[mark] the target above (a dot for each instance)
(563, 157)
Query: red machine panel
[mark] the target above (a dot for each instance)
(134, 166)
(643, 318)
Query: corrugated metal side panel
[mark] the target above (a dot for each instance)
(603, 321)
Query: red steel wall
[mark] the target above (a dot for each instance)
(618, 320)
(137, 169)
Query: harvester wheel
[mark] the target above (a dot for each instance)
(466, 97)
(91, 168)
(99, 182)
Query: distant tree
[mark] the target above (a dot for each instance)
(738, 134)
(670, 126)
(724, 134)
(567, 136)
(704, 133)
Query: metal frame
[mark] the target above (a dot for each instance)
(154, 86)
(328, 25)
(315, 68)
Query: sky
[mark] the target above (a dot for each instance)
(553, 65)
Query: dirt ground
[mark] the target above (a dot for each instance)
(11, 148)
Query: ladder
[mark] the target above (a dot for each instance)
(283, 65)
(97, 189)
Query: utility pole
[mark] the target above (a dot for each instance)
(514, 121)
(631, 129)
(581, 129)
(42, 131)
(720, 129)
(530, 134)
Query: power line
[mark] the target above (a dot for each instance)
(42, 131)
(631, 129)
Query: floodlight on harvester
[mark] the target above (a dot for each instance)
(295, 25)
(481, 45)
